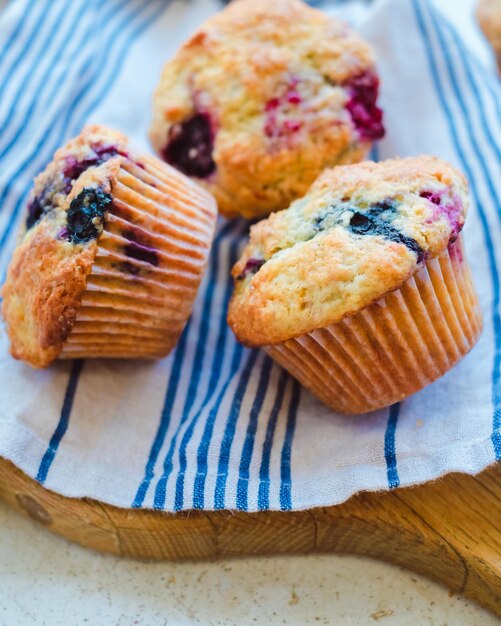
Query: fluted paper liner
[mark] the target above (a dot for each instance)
(395, 346)
(149, 263)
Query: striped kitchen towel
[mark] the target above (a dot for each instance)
(216, 425)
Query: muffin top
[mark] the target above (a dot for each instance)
(360, 232)
(261, 99)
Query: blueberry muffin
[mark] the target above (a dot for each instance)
(110, 257)
(361, 288)
(261, 99)
(489, 18)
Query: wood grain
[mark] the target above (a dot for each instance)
(449, 530)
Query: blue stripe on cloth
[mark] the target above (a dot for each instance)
(390, 454)
(475, 140)
(73, 381)
(157, 8)
(10, 71)
(229, 434)
(489, 79)
(496, 370)
(248, 447)
(177, 369)
(199, 486)
(216, 365)
(23, 21)
(263, 498)
(62, 425)
(165, 418)
(285, 463)
(477, 80)
(96, 83)
(441, 27)
(63, 30)
(203, 448)
(73, 47)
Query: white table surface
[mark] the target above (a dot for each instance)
(46, 580)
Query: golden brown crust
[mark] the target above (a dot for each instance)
(489, 18)
(315, 265)
(253, 53)
(42, 293)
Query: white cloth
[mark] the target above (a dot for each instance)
(215, 425)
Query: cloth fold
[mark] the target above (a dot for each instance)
(215, 425)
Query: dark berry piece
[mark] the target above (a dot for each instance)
(386, 207)
(35, 212)
(41, 204)
(137, 251)
(372, 224)
(272, 104)
(293, 97)
(85, 215)
(129, 268)
(434, 197)
(63, 233)
(251, 267)
(448, 208)
(365, 87)
(362, 225)
(318, 223)
(190, 145)
(107, 152)
(137, 234)
(74, 167)
(376, 220)
(366, 115)
(140, 248)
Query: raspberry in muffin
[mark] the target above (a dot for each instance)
(361, 288)
(261, 99)
(111, 254)
(489, 18)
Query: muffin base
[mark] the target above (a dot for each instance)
(394, 347)
(148, 266)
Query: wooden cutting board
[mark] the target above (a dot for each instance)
(449, 530)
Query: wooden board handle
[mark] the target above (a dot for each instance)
(449, 530)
